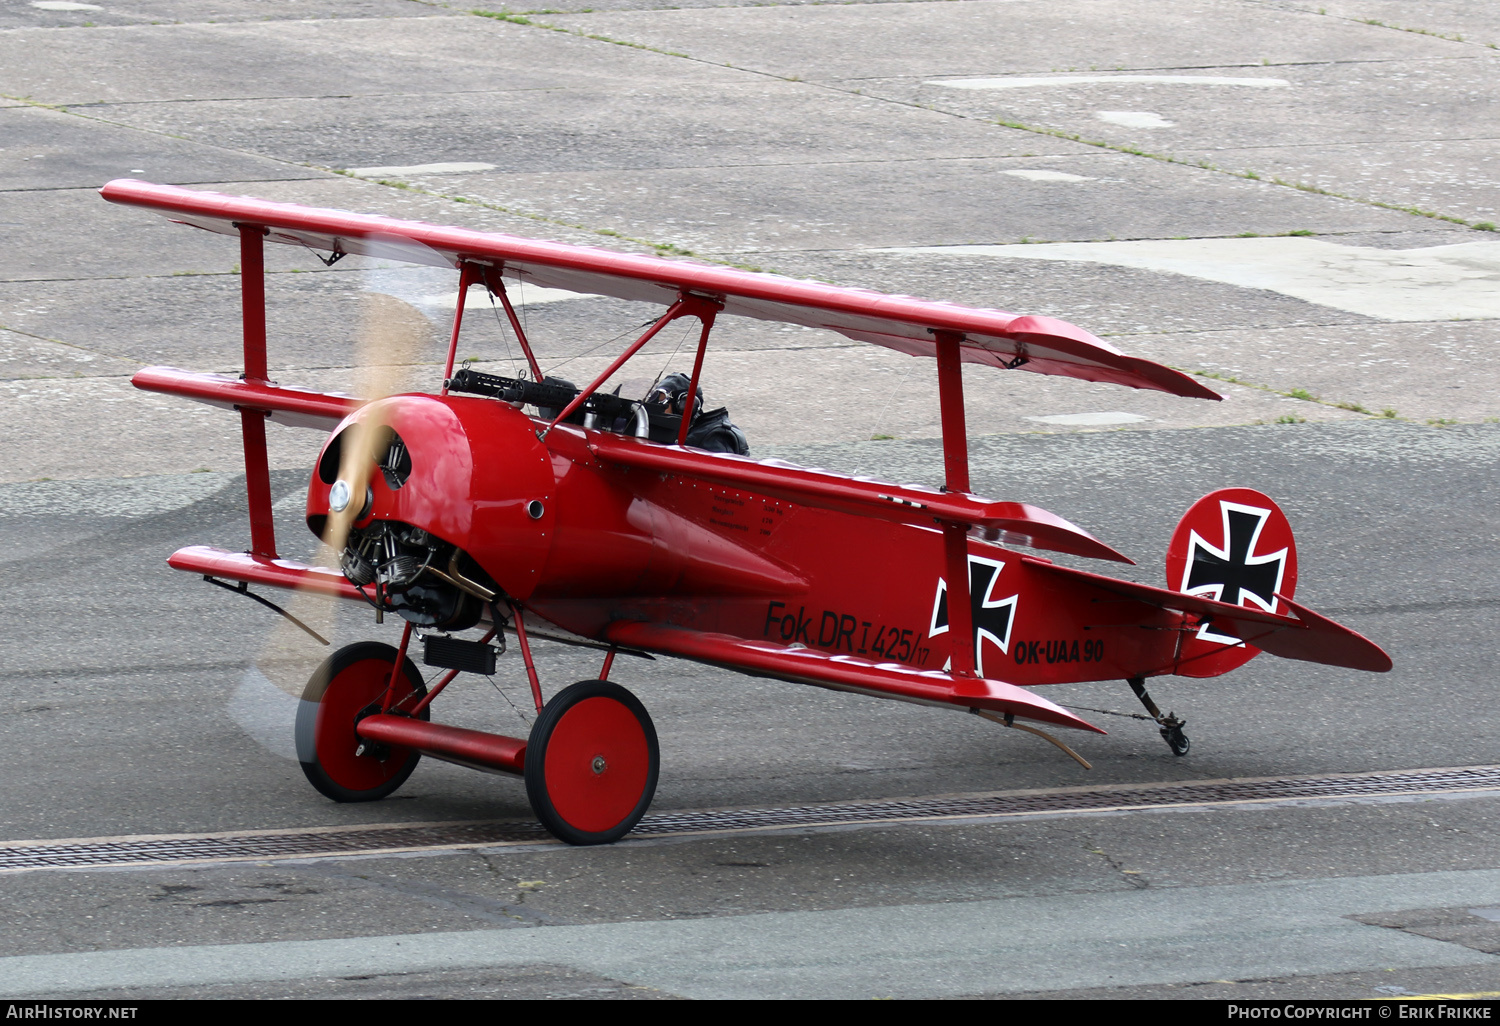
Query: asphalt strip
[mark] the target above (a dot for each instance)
(1432, 283)
(1121, 938)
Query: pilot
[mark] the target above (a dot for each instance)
(712, 430)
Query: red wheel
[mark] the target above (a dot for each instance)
(591, 763)
(348, 682)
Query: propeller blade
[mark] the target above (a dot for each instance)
(395, 343)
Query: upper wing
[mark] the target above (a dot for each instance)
(1041, 344)
(844, 673)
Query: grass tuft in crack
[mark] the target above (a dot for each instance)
(1307, 187)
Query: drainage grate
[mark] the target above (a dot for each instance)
(1105, 799)
(364, 840)
(269, 844)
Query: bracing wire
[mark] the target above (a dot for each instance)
(508, 702)
(525, 312)
(1111, 712)
(601, 345)
(500, 322)
(686, 327)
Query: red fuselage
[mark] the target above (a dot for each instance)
(585, 542)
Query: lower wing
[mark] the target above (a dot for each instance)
(842, 673)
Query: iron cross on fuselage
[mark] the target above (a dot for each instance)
(991, 616)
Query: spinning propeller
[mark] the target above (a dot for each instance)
(393, 334)
(394, 339)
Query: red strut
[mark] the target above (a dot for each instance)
(955, 535)
(253, 422)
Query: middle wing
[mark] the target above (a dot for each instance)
(1017, 522)
(294, 407)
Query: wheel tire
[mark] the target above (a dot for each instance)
(339, 690)
(1176, 740)
(591, 763)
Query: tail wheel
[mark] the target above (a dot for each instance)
(340, 691)
(591, 763)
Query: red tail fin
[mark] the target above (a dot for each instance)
(1233, 545)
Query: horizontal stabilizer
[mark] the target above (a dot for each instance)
(1016, 522)
(1305, 635)
(1314, 644)
(294, 407)
(843, 673)
(993, 337)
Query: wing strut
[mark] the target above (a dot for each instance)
(467, 275)
(688, 406)
(495, 282)
(956, 473)
(253, 422)
(686, 305)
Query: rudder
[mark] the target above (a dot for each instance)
(1234, 545)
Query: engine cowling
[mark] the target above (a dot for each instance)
(460, 485)
(465, 505)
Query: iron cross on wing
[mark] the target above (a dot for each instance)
(992, 617)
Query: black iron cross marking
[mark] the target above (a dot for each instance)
(1234, 573)
(991, 616)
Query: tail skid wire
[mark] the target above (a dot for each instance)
(1009, 720)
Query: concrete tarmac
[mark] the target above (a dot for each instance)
(1294, 201)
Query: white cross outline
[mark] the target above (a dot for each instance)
(986, 602)
(1216, 591)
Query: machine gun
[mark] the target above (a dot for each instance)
(600, 410)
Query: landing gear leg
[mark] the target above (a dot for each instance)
(1171, 726)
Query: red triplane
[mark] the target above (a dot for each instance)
(461, 511)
